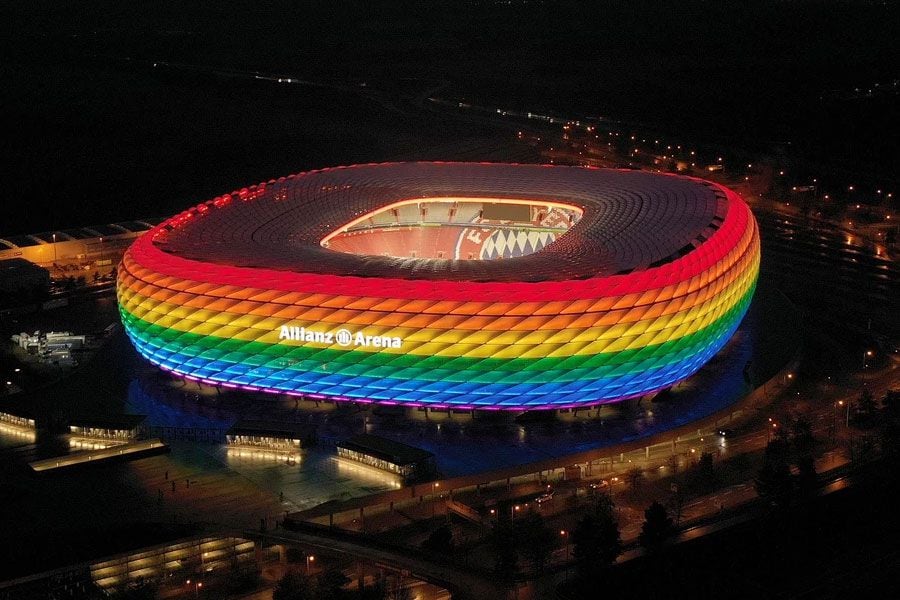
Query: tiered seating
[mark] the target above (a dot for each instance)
(631, 219)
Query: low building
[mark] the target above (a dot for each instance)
(204, 557)
(116, 428)
(94, 246)
(59, 340)
(409, 462)
(271, 436)
(12, 420)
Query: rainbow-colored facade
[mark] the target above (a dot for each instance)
(639, 294)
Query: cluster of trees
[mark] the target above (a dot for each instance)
(328, 585)
(528, 536)
(69, 283)
(703, 477)
(440, 541)
(596, 539)
(865, 408)
(794, 445)
(657, 526)
(890, 426)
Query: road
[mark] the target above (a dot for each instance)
(463, 583)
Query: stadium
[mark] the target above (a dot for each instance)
(449, 285)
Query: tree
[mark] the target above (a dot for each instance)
(773, 481)
(634, 477)
(399, 593)
(806, 472)
(865, 406)
(802, 437)
(891, 404)
(440, 541)
(740, 463)
(294, 586)
(331, 584)
(778, 450)
(535, 539)
(142, 590)
(657, 526)
(597, 540)
(503, 545)
(704, 476)
(804, 444)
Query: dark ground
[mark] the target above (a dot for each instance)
(93, 132)
(839, 546)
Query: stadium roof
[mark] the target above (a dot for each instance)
(632, 220)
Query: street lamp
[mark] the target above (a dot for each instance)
(309, 558)
(54, 247)
(564, 535)
(866, 355)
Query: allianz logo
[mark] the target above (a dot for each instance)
(341, 337)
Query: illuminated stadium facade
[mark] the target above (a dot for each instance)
(453, 285)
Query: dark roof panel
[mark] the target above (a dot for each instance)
(385, 449)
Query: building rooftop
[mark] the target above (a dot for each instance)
(385, 449)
